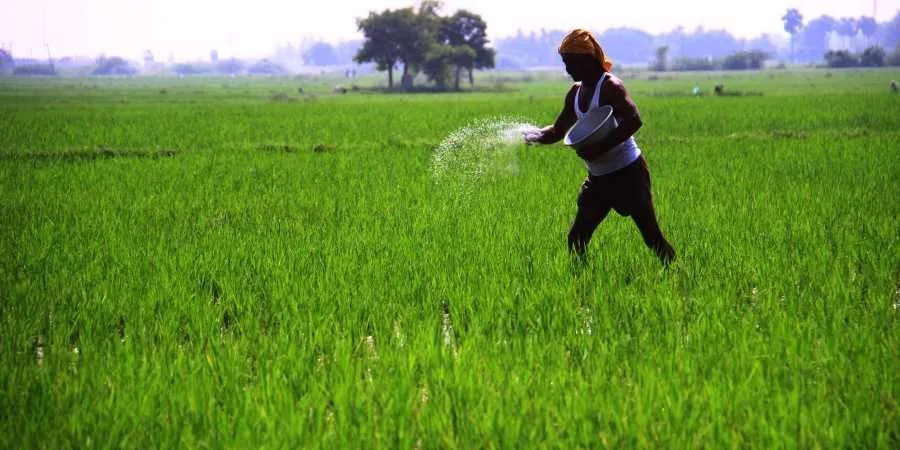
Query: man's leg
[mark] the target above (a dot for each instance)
(590, 213)
(586, 221)
(645, 219)
(644, 216)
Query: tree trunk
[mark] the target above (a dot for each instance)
(471, 77)
(391, 76)
(406, 81)
(456, 79)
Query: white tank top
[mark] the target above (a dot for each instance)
(624, 154)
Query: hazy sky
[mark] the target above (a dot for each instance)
(190, 28)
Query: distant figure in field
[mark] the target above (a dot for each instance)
(720, 89)
(894, 88)
(618, 178)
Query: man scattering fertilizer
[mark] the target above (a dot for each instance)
(618, 177)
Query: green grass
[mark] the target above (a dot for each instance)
(226, 285)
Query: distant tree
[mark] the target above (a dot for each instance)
(467, 29)
(6, 61)
(893, 59)
(841, 59)
(437, 65)
(706, 44)
(693, 64)
(183, 69)
(662, 57)
(847, 27)
(793, 22)
(393, 36)
(751, 60)
(230, 66)
(34, 69)
(417, 37)
(530, 50)
(873, 56)
(321, 54)
(214, 56)
(763, 43)
(429, 18)
(446, 62)
(266, 67)
(888, 33)
(868, 27)
(113, 65)
(463, 57)
(814, 38)
(628, 45)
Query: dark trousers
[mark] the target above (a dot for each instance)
(628, 192)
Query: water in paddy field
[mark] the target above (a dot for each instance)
(483, 148)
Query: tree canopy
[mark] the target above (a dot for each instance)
(423, 40)
(867, 26)
(466, 33)
(393, 36)
(793, 21)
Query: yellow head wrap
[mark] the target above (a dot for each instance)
(581, 41)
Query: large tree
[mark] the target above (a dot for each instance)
(446, 61)
(393, 36)
(888, 33)
(467, 29)
(423, 39)
(848, 28)
(868, 27)
(814, 38)
(793, 22)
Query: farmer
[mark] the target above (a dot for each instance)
(617, 177)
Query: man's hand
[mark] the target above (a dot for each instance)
(533, 135)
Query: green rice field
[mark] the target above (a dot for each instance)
(232, 263)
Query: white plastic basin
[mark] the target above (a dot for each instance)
(591, 128)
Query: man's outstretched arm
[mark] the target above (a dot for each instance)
(554, 133)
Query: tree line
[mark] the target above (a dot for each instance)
(422, 40)
(808, 42)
